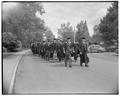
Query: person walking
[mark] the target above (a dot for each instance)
(83, 53)
(68, 51)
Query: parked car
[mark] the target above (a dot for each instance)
(111, 48)
(96, 49)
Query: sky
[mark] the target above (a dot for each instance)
(63, 12)
(73, 12)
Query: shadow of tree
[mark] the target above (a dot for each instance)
(63, 65)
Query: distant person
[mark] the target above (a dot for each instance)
(75, 51)
(54, 50)
(60, 50)
(68, 51)
(83, 53)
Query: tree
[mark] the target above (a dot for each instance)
(66, 31)
(82, 31)
(9, 41)
(49, 35)
(96, 29)
(8, 37)
(109, 25)
(23, 21)
(97, 36)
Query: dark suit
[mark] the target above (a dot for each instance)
(83, 56)
(60, 52)
(68, 51)
(76, 51)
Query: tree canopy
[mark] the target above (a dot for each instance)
(96, 38)
(82, 31)
(23, 22)
(65, 31)
(49, 35)
(8, 37)
(109, 25)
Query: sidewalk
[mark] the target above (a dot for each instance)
(9, 68)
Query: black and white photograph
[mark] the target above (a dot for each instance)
(59, 48)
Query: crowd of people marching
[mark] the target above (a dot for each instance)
(62, 50)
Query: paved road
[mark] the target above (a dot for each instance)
(34, 75)
(9, 66)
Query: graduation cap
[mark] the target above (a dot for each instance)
(68, 38)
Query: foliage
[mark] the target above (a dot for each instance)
(109, 25)
(8, 37)
(10, 42)
(49, 35)
(96, 29)
(24, 23)
(82, 31)
(66, 31)
(97, 37)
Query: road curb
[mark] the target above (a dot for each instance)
(10, 91)
(6, 54)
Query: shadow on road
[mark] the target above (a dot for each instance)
(63, 65)
(57, 65)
